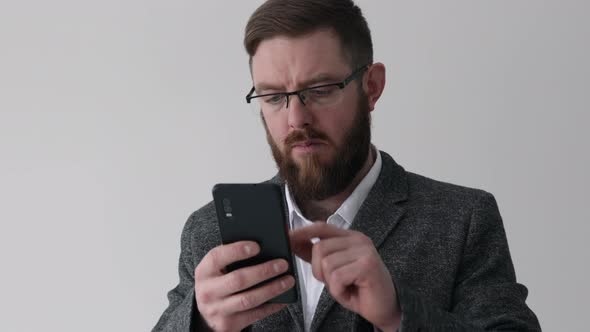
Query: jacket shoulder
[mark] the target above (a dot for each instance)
(439, 193)
(201, 228)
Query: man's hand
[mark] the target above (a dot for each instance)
(351, 269)
(218, 295)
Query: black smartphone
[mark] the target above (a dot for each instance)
(256, 212)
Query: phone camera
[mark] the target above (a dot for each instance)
(227, 208)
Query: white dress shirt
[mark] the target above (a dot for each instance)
(310, 287)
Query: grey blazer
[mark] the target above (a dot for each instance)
(444, 245)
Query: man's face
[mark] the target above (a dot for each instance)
(318, 152)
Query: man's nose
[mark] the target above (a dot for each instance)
(298, 114)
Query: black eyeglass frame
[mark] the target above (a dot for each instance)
(341, 85)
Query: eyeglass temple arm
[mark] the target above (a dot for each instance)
(249, 95)
(355, 74)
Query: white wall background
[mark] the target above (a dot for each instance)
(118, 116)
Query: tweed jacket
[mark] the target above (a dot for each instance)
(444, 245)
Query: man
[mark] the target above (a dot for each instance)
(396, 250)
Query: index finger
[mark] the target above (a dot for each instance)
(221, 256)
(301, 238)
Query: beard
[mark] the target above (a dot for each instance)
(313, 179)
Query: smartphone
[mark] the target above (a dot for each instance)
(256, 212)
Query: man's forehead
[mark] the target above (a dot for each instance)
(298, 58)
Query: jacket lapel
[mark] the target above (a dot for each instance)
(296, 312)
(377, 217)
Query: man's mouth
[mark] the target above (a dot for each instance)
(308, 142)
(307, 145)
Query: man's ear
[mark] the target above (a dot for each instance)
(374, 83)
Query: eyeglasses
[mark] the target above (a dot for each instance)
(315, 97)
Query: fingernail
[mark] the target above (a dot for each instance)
(248, 249)
(287, 283)
(279, 266)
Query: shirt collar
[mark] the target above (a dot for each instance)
(350, 207)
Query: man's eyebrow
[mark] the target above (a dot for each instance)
(321, 78)
(266, 87)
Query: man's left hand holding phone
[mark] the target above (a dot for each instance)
(228, 301)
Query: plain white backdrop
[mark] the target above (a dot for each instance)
(118, 116)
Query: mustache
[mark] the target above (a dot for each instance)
(303, 135)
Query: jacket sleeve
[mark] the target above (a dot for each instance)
(182, 314)
(486, 295)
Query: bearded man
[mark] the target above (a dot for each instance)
(396, 250)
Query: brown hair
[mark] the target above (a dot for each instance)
(298, 17)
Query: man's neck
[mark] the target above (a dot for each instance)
(321, 210)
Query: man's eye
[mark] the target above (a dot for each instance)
(275, 99)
